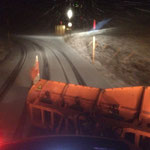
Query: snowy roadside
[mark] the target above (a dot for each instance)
(9, 56)
(122, 58)
(4, 49)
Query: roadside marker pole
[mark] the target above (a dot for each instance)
(37, 78)
(94, 24)
(36, 71)
(93, 52)
(93, 59)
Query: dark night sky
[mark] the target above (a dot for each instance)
(26, 14)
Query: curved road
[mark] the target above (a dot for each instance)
(58, 62)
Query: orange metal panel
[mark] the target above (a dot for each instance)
(69, 93)
(35, 91)
(122, 101)
(145, 109)
(86, 96)
(55, 90)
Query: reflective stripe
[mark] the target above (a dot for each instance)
(145, 112)
(132, 109)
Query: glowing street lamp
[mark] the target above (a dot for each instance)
(69, 24)
(69, 13)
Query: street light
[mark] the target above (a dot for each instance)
(69, 13)
(69, 24)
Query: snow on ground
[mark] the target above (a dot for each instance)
(9, 56)
(122, 58)
(4, 50)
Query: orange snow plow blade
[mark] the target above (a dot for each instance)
(123, 102)
(120, 102)
(69, 108)
(47, 98)
(35, 91)
(66, 101)
(145, 109)
(68, 94)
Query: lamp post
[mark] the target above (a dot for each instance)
(93, 52)
(69, 14)
(69, 24)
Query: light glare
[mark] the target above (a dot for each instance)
(69, 13)
(69, 24)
